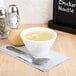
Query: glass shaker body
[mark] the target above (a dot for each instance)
(13, 16)
(3, 31)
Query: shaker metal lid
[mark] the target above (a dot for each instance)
(13, 8)
(2, 11)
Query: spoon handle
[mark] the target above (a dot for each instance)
(12, 48)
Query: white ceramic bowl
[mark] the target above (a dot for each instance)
(38, 48)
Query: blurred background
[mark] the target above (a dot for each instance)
(33, 11)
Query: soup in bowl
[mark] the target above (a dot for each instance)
(38, 40)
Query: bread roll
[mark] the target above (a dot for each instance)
(14, 37)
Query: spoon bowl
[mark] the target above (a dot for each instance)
(40, 61)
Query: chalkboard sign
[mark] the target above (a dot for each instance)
(64, 15)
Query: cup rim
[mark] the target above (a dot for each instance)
(22, 34)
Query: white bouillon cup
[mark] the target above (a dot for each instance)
(38, 48)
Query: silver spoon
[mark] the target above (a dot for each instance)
(37, 61)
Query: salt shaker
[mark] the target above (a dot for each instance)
(13, 16)
(3, 33)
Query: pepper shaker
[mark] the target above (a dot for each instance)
(3, 32)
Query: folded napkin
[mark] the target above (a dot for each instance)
(55, 58)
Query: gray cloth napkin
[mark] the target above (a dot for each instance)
(55, 58)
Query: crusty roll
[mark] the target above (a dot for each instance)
(14, 37)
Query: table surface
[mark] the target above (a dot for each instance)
(65, 44)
